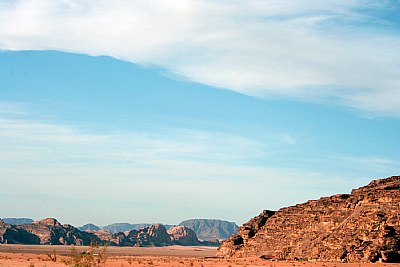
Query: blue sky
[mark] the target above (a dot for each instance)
(147, 112)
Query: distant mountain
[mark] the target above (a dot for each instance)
(153, 235)
(124, 227)
(210, 229)
(46, 232)
(51, 232)
(89, 227)
(17, 221)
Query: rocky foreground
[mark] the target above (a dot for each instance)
(359, 227)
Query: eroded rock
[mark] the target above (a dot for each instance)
(359, 227)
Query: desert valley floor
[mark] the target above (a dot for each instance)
(37, 256)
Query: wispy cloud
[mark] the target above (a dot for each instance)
(373, 164)
(64, 164)
(338, 51)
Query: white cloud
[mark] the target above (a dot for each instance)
(58, 164)
(308, 49)
(372, 164)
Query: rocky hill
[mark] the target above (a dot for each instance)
(124, 227)
(184, 236)
(51, 232)
(154, 235)
(208, 229)
(363, 226)
(11, 234)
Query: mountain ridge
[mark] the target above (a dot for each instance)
(362, 226)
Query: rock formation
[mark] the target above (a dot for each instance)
(154, 235)
(51, 232)
(359, 227)
(183, 236)
(126, 227)
(11, 234)
(208, 229)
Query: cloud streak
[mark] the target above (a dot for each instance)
(339, 52)
(61, 164)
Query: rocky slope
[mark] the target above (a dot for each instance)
(51, 232)
(124, 227)
(184, 236)
(11, 234)
(359, 227)
(154, 235)
(208, 229)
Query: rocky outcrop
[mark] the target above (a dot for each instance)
(11, 234)
(51, 232)
(208, 229)
(359, 227)
(183, 236)
(123, 227)
(154, 235)
(126, 227)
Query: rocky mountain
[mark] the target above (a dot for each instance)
(51, 232)
(154, 235)
(363, 226)
(184, 236)
(17, 221)
(11, 234)
(124, 227)
(89, 227)
(208, 229)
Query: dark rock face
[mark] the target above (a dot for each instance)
(360, 227)
(11, 234)
(183, 236)
(207, 229)
(51, 232)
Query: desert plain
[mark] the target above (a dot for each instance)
(43, 256)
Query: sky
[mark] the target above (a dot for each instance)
(160, 111)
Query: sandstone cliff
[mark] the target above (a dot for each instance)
(183, 236)
(154, 235)
(11, 234)
(211, 229)
(359, 227)
(51, 232)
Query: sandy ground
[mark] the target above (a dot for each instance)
(36, 256)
